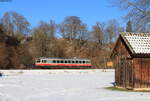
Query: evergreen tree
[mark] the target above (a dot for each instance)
(129, 27)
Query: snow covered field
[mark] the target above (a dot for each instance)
(63, 85)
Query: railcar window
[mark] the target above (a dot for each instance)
(58, 61)
(80, 62)
(73, 61)
(62, 61)
(83, 62)
(54, 61)
(76, 61)
(69, 61)
(65, 61)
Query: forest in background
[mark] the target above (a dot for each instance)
(20, 44)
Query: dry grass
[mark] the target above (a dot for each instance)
(124, 89)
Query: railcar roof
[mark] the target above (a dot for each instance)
(63, 58)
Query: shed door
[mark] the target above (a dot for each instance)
(129, 76)
(126, 79)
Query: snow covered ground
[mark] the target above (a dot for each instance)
(62, 85)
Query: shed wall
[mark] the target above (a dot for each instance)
(141, 72)
(123, 66)
(130, 72)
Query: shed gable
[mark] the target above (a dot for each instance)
(137, 43)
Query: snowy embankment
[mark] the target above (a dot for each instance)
(62, 85)
(52, 71)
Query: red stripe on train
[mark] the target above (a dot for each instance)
(62, 64)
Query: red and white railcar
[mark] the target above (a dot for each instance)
(56, 63)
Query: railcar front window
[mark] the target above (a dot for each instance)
(43, 61)
(38, 61)
(89, 62)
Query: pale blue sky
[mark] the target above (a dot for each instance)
(90, 11)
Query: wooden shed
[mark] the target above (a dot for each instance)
(131, 58)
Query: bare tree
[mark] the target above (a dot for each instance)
(9, 57)
(112, 30)
(43, 39)
(98, 32)
(76, 31)
(48, 28)
(70, 27)
(14, 23)
(138, 11)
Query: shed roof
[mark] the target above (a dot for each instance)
(137, 43)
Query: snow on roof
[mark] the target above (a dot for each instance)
(138, 43)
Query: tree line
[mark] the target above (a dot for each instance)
(21, 44)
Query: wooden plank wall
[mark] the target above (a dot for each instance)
(137, 73)
(145, 74)
(141, 73)
(121, 70)
(140, 68)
